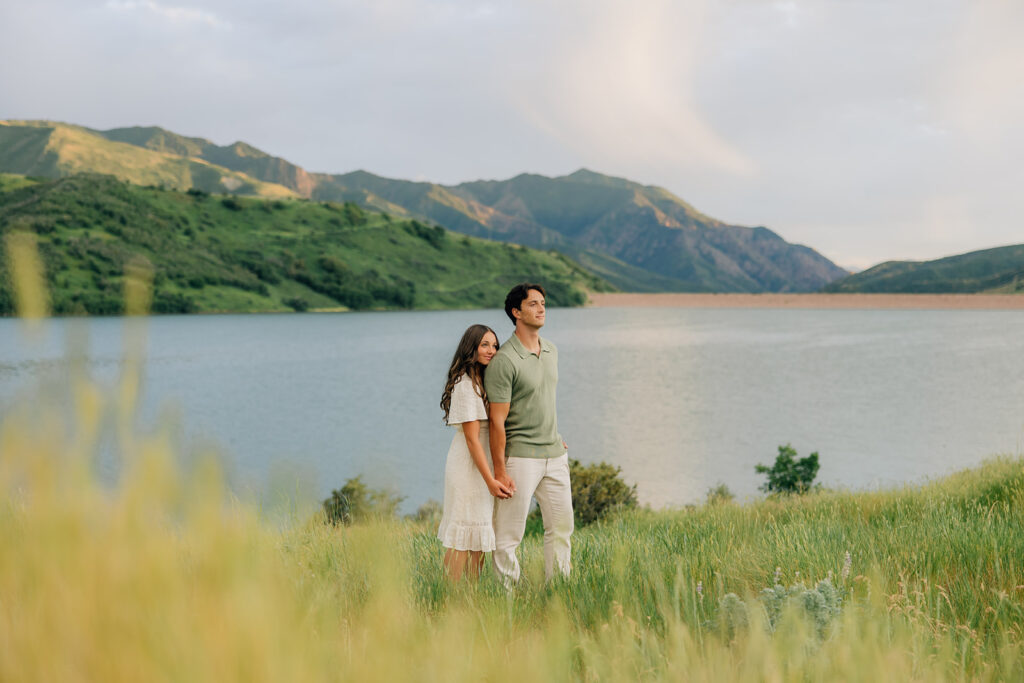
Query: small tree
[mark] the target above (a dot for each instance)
(720, 494)
(789, 475)
(356, 502)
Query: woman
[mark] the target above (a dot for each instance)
(469, 483)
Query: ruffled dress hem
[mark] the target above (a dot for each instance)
(475, 537)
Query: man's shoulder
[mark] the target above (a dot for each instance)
(548, 345)
(503, 360)
(505, 354)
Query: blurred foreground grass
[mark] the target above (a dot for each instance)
(163, 575)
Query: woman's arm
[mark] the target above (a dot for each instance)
(476, 450)
(499, 413)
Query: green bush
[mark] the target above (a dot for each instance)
(598, 490)
(296, 304)
(719, 494)
(172, 302)
(429, 513)
(789, 475)
(354, 214)
(357, 502)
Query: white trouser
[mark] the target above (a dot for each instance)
(547, 479)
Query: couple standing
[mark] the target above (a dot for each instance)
(502, 402)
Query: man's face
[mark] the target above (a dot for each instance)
(532, 310)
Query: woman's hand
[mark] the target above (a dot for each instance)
(498, 489)
(506, 480)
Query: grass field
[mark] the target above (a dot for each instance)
(164, 575)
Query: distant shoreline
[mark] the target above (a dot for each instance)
(849, 301)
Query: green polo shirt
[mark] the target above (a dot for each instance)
(527, 382)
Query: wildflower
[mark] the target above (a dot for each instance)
(847, 564)
(700, 590)
(778, 575)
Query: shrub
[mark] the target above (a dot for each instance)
(598, 490)
(719, 494)
(172, 302)
(789, 475)
(232, 203)
(297, 304)
(820, 605)
(357, 502)
(354, 214)
(435, 236)
(429, 513)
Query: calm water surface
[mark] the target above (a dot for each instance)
(681, 399)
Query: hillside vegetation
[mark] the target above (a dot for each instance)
(632, 227)
(993, 271)
(638, 237)
(225, 253)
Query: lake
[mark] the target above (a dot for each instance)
(681, 399)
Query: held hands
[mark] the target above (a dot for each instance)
(501, 489)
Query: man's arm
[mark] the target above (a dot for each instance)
(496, 433)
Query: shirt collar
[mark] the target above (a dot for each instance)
(517, 345)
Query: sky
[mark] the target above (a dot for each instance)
(870, 130)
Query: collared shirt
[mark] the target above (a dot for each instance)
(527, 382)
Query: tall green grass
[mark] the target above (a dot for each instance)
(164, 575)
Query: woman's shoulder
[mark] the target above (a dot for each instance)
(463, 385)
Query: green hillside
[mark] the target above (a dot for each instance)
(225, 253)
(642, 238)
(54, 150)
(998, 270)
(646, 238)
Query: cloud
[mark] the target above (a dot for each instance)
(867, 130)
(619, 87)
(175, 15)
(980, 90)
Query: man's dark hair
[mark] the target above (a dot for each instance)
(517, 295)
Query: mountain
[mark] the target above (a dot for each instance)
(55, 150)
(997, 270)
(239, 157)
(225, 253)
(638, 237)
(628, 226)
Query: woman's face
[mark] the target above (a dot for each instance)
(488, 347)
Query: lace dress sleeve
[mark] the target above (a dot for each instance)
(466, 405)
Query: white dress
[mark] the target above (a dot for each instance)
(468, 504)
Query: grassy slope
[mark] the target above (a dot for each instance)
(998, 270)
(164, 577)
(213, 253)
(54, 149)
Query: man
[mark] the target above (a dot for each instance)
(529, 454)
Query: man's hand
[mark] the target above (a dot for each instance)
(507, 482)
(499, 489)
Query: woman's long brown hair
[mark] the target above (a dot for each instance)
(464, 362)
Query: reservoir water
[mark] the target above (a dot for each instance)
(680, 399)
